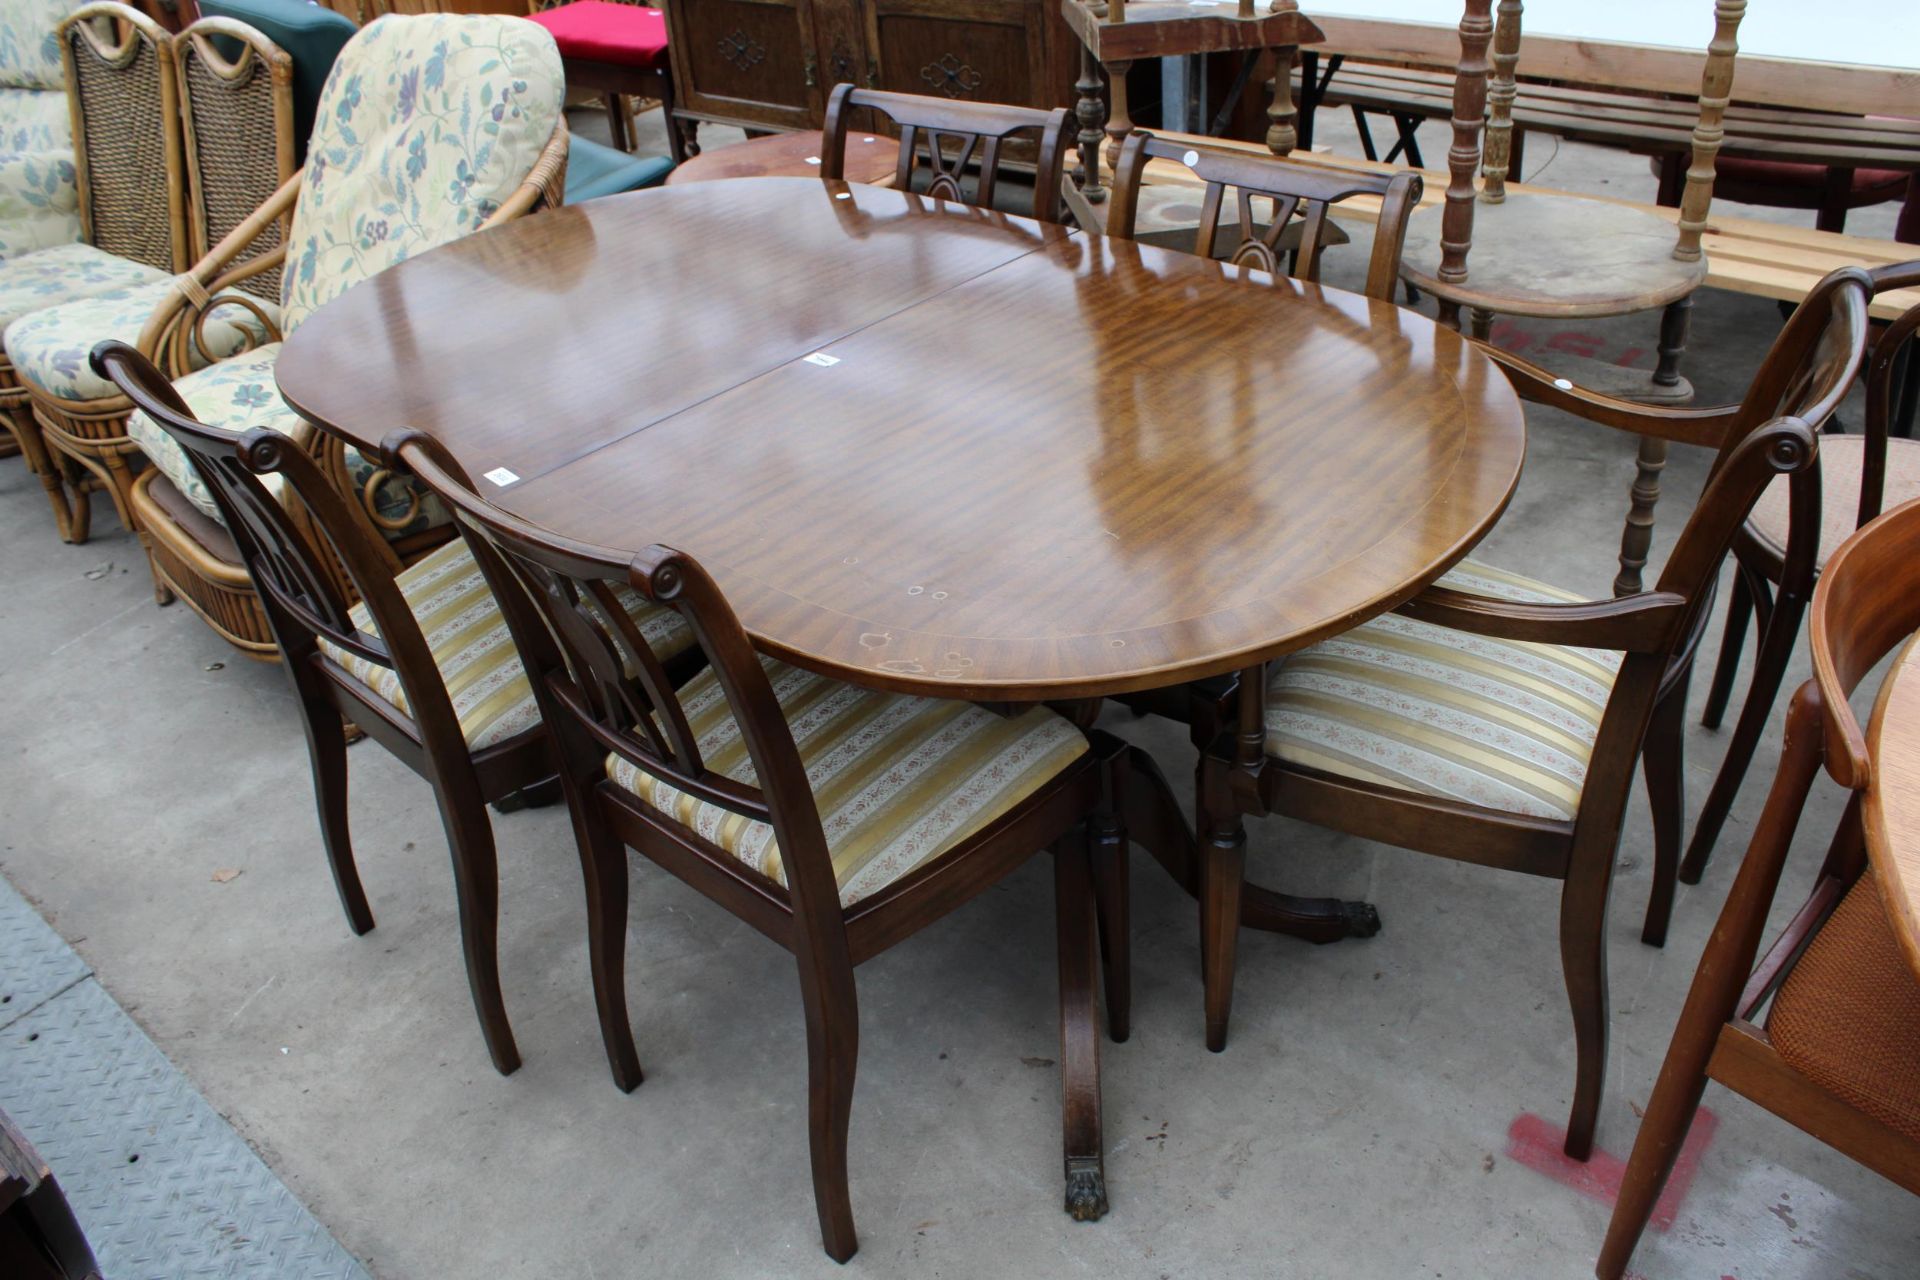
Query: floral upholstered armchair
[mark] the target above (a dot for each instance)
(430, 127)
(39, 201)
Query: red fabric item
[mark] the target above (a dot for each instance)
(599, 31)
(1787, 173)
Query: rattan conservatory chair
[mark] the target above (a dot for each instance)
(121, 76)
(431, 127)
(39, 200)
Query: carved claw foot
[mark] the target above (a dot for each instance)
(1363, 919)
(1086, 1191)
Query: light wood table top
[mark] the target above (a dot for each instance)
(932, 449)
(1892, 806)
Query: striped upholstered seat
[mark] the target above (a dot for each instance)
(474, 650)
(1503, 724)
(899, 780)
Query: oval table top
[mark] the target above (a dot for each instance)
(1892, 806)
(869, 158)
(928, 448)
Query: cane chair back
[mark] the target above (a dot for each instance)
(948, 139)
(238, 134)
(124, 93)
(1822, 1030)
(1298, 196)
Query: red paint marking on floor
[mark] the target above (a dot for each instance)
(1537, 1144)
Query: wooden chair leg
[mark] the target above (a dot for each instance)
(120, 488)
(476, 879)
(603, 869)
(327, 748)
(1777, 639)
(1223, 866)
(1733, 638)
(833, 1053)
(616, 122)
(1583, 961)
(1075, 909)
(1663, 765)
(1112, 878)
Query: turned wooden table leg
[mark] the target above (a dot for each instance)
(1091, 112)
(1636, 540)
(1119, 121)
(1086, 1179)
(1482, 321)
(1282, 136)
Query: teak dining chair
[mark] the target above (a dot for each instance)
(1298, 197)
(1835, 1054)
(1489, 720)
(948, 139)
(423, 664)
(1859, 474)
(837, 820)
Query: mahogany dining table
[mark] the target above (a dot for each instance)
(942, 451)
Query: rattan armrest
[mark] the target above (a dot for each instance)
(1634, 624)
(1707, 427)
(175, 321)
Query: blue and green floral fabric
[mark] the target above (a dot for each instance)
(239, 394)
(29, 46)
(34, 120)
(65, 273)
(49, 347)
(426, 125)
(39, 205)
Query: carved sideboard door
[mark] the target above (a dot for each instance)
(980, 50)
(748, 62)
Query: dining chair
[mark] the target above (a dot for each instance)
(837, 820)
(1859, 474)
(1835, 1051)
(409, 155)
(1298, 196)
(122, 104)
(618, 48)
(423, 664)
(947, 139)
(1495, 719)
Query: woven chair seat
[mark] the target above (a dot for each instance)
(627, 35)
(1840, 461)
(473, 648)
(1848, 1016)
(49, 347)
(1502, 724)
(899, 780)
(66, 273)
(240, 394)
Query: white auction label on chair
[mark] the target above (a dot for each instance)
(502, 477)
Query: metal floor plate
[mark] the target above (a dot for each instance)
(164, 1188)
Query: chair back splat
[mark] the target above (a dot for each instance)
(949, 139)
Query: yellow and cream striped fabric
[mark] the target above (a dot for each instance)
(1503, 724)
(899, 780)
(473, 648)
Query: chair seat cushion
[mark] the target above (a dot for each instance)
(29, 46)
(240, 394)
(1503, 724)
(628, 35)
(594, 169)
(35, 120)
(39, 202)
(899, 780)
(473, 648)
(65, 273)
(1848, 1015)
(49, 347)
(1841, 458)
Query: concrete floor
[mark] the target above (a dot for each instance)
(1358, 1125)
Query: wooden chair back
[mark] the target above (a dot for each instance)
(238, 137)
(602, 686)
(123, 89)
(1297, 193)
(949, 138)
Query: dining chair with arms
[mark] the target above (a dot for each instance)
(1837, 1052)
(1859, 475)
(946, 139)
(423, 664)
(1496, 719)
(835, 819)
(1298, 197)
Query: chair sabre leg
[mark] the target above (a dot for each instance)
(1663, 764)
(1732, 640)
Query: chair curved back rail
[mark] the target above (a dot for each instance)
(124, 94)
(949, 138)
(237, 90)
(1295, 192)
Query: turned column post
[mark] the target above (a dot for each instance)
(1282, 132)
(1716, 88)
(1089, 111)
(1463, 158)
(1501, 91)
(1119, 121)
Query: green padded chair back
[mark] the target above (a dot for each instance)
(311, 35)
